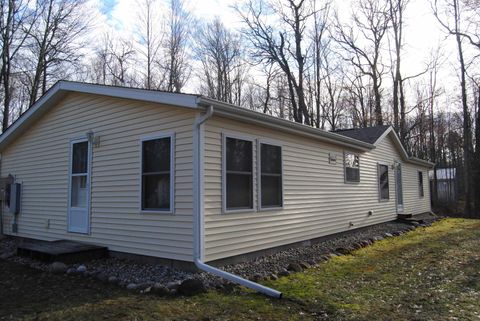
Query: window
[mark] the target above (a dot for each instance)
(270, 176)
(79, 174)
(383, 188)
(157, 174)
(420, 184)
(238, 174)
(352, 168)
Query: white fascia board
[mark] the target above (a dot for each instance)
(173, 99)
(61, 88)
(421, 162)
(253, 117)
(403, 152)
(53, 95)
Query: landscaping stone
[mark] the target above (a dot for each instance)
(81, 269)
(58, 267)
(273, 277)
(102, 277)
(191, 287)
(160, 289)
(295, 267)
(71, 271)
(112, 279)
(132, 286)
(256, 277)
(148, 290)
(129, 272)
(342, 250)
(173, 285)
(283, 272)
(304, 265)
(7, 255)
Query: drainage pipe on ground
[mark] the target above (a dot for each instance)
(198, 213)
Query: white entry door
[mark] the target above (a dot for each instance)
(79, 189)
(399, 187)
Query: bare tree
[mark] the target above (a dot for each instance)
(98, 71)
(148, 40)
(176, 64)
(113, 61)
(363, 43)
(451, 21)
(433, 92)
(54, 42)
(396, 11)
(220, 54)
(281, 45)
(16, 21)
(320, 45)
(333, 82)
(120, 59)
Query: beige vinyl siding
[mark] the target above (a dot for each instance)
(317, 201)
(414, 204)
(40, 160)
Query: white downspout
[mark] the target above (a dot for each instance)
(198, 214)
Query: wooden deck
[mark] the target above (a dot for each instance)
(61, 250)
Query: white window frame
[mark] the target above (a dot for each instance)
(421, 191)
(226, 135)
(380, 199)
(259, 174)
(171, 210)
(89, 183)
(345, 168)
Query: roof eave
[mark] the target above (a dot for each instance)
(238, 113)
(407, 158)
(62, 88)
(421, 162)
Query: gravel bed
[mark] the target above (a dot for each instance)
(166, 280)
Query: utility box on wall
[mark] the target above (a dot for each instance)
(15, 196)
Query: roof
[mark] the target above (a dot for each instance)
(373, 135)
(368, 134)
(62, 88)
(364, 139)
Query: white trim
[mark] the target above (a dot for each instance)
(383, 135)
(400, 207)
(345, 168)
(226, 135)
(154, 96)
(62, 87)
(261, 141)
(380, 199)
(257, 118)
(89, 184)
(149, 137)
(403, 152)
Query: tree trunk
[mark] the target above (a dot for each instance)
(466, 116)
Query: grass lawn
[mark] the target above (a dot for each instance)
(429, 274)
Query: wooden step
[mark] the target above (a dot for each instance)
(404, 215)
(61, 250)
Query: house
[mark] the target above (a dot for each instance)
(186, 178)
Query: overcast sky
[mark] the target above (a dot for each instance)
(422, 32)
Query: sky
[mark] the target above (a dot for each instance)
(422, 32)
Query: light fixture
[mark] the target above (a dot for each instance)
(92, 139)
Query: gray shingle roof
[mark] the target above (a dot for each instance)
(367, 134)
